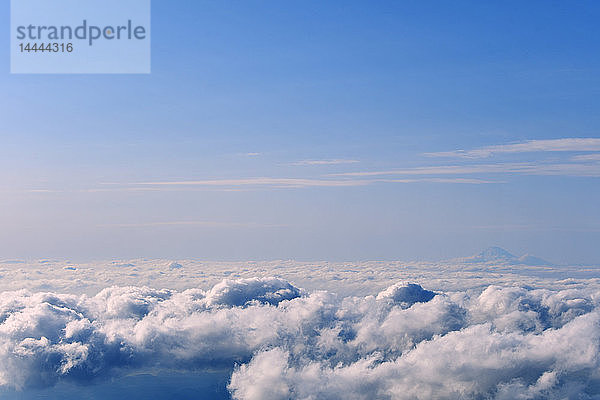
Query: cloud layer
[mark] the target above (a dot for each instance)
(281, 342)
(343, 278)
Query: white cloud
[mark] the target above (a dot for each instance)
(403, 341)
(249, 291)
(508, 344)
(549, 145)
(475, 362)
(346, 279)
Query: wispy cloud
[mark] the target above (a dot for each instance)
(559, 169)
(468, 171)
(587, 157)
(325, 162)
(431, 170)
(550, 145)
(261, 181)
(252, 184)
(439, 180)
(207, 224)
(303, 183)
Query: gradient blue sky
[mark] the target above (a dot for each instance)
(316, 130)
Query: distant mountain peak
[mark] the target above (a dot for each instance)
(497, 254)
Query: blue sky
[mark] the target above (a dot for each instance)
(315, 130)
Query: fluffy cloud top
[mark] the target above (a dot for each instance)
(406, 295)
(250, 291)
(282, 343)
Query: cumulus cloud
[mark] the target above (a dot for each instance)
(406, 294)
(281, 342)
(47, 337)
(507, 343)
(249, 291)
(476, 362)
